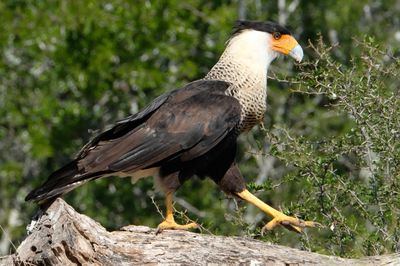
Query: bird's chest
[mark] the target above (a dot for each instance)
(253, 104)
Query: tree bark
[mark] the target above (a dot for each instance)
(61, 236)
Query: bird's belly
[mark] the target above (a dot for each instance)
(139, 174)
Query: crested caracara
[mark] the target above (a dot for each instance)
(192, 130)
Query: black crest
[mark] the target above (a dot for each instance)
(267, 26)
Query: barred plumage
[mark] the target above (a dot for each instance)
(250, 89)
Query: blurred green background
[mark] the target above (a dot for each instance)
(329, 151)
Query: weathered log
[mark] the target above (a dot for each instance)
(61, 236)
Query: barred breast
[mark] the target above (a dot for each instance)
(249, 88)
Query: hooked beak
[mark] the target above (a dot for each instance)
(297, 53)
(288, 45)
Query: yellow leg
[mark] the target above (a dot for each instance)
(279, 218)
(169, 222)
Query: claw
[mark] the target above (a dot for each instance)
(167, 224)
(290, 223)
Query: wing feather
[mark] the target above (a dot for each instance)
(187, 130)
(181, 125)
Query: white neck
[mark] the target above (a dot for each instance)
(244, 63)
(251, 49)
(246, 58)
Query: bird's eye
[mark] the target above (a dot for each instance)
(276, 35)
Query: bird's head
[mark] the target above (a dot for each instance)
(261, 42)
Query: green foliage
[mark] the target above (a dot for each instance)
(330, 151)
(342, 154)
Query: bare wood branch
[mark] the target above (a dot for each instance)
(61, 236)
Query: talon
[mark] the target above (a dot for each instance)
(290, 223)
(168, 224)
(159, 230)
(313, 224)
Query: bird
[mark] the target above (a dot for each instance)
(190, 131)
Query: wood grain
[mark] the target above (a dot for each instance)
(61, 236)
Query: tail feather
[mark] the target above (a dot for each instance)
(58, 183)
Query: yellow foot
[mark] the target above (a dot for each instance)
(171, 224)
(291, 223)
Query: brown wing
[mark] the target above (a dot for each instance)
(183, 124)
(177, 128)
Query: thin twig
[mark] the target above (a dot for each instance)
(7, 237)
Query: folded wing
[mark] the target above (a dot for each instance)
(181, 125)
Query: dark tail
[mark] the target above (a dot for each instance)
(58, 183)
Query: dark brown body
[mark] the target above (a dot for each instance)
(187, 132)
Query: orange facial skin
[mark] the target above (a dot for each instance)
(283, 43)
